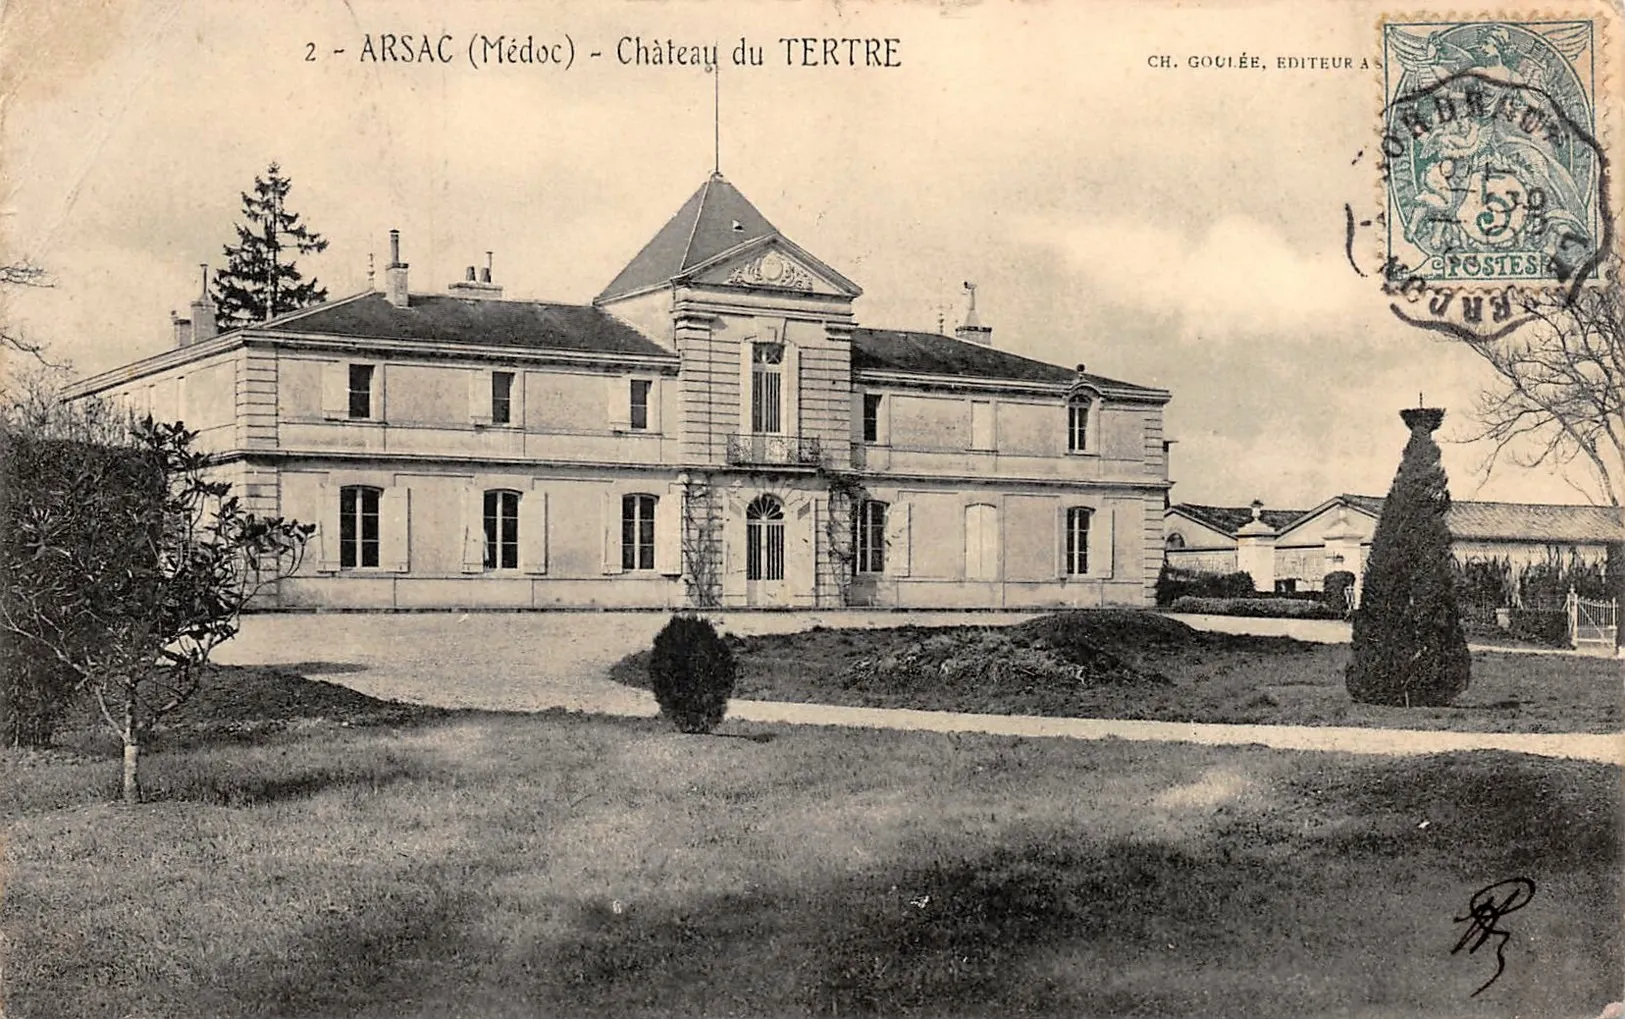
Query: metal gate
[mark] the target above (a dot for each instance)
(1592, 623)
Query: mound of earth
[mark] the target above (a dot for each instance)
(986, 661)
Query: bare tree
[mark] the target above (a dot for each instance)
(1558, 399)
(25, 275)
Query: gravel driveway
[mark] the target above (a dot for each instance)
(506, 661)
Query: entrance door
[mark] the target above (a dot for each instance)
(764, 552)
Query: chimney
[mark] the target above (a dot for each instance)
(973, 331)
(183, 329)
(203, 312)
(477, 289)
(395, 274)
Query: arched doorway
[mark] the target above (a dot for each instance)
(764, 551)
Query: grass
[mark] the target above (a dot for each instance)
(512, 865)
(1185, 675)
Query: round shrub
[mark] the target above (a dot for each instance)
(692, 673)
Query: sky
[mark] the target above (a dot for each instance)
(1177, 227)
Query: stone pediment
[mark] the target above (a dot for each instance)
(773, 264)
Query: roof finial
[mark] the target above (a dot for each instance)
(715, 70)
(371, 273)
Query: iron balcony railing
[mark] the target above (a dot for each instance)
(775, 450)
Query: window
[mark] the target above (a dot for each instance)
(766, 385)
(637, 532)
(764, 539)
(981, 542)
(1286, 586)
(981, 424)
(870, 541)
(871, 417)
(1077, 541)
(358, 527)
(502, 530)
(501, 398)
(1174, 541)
(1077, 426)
(361, 390)
(640, 404)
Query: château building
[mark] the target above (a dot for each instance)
(714, 429)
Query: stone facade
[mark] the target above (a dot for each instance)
(714, 430)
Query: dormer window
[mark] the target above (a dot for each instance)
(1080, 411)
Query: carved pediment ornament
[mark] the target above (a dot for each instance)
(772, 269)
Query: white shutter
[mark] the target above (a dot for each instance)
(669, 532)
(479, 397)
(1101, 541)
(327, 529)
(611, 516)
(473, 528)
(618, 400)
(898, 544)
(654, 404)
(733, 551)
(801, 535)
(335, 390)
(791, 420)
(533, 531)
(744, 387)
(1060, 541)
(395, 527)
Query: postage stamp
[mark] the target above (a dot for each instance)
(1495, 171)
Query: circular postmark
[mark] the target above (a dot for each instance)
(1495, 186)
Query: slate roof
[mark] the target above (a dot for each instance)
(1230, 519)
(442, 319)
(1467, 520)
(900, 350)
(1504, 521)
(701, 230)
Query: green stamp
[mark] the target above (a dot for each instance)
(1494, 171)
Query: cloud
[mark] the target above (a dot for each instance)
(1236, 278)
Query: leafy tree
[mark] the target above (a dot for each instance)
(260, 280)
(130, 588)
(1409, 648)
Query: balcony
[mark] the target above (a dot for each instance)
(775, 451)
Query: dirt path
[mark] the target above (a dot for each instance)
(536, 661)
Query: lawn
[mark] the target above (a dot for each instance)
(363, 860)
(1149, 666)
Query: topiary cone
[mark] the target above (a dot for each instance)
(1408, 645)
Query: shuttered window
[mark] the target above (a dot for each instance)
(870, 540)
(358, 527)
(638, 532)
(502, 530)
(1077, 541)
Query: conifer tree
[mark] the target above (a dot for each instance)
(260, 280)
(1409, 649)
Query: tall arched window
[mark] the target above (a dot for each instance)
(1078, 410)
(870, 540)
(501, 530)
(358, 526)
(764, 539)
(637, 532)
